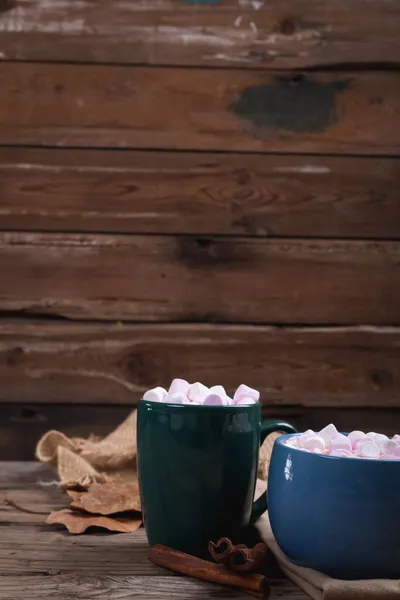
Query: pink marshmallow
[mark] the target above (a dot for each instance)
(367, 449)
(177, 398)
(215, 400)
(245, 400)
(328, 432)
(355, 437)
(219, 390)
(244, 391)
(197, 392)
(339, 442)
(311, 442)
(342, 453)
(179, 385)
(157, 394)
(388, 446)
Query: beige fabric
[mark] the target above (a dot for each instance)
(321, 587)
(83, 461)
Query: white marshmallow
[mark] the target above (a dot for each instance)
(245, 400)
(219, 390)
(244, 391)
(389, 447)
(396, 437)
(215, 400)
(311, 442)
(328, 432)
(179, 385)
(157, 394)
(197, 392)
(367, 449)
(339, 442)
(355, 437)
(341, 453)
(177, 398)
(389, 457)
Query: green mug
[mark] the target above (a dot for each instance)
(197, 468)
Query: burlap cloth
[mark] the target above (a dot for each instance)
(81, 461)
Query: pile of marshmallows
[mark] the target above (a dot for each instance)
(182, 392)
(356, 444)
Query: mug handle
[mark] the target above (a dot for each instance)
(267, 427)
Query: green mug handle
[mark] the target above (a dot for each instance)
(267, 427)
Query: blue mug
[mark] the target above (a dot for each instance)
(340, 516)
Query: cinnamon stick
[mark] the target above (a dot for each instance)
(198, 568)
(221, 551)
(247, 560)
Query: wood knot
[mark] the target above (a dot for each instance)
(14, 356)
(287, 27)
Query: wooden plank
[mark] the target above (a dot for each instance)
(273, 34)
(21, 426)
(161, 192)
(49, 362)
(152, 278)
(204, 109)
(65, 587)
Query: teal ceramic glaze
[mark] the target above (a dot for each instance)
(337, 515)
(197, 469)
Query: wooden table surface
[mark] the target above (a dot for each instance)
(43, 561)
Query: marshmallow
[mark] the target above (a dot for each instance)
(396, 438)
(367, 449)
(245, 400)
(389, 447)
(341, 453)
(219, 390)
(355, 437)
(311, 442)
(197, 392)
(396, 451)
(215, 400)
(157, 394)
(179, 385)
(177, 398)
(244, 391)
(328, 432)
(389, 457)
(339, 442)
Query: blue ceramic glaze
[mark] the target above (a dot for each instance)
(337, 515)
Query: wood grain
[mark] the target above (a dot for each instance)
(71, 363)
(115, 587)
(162, 192)
(202, 109)
(152, 278)
(21, 426)
(273, 34)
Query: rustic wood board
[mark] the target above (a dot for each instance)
(182, 278)
(52, 362)
(47, 562)
(114, 587)
(202, 109)
(273, 34)
(21, 426)
(169, 192)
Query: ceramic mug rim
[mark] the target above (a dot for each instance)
(221, 408)
(280, 442)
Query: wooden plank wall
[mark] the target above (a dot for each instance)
(202, 188)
